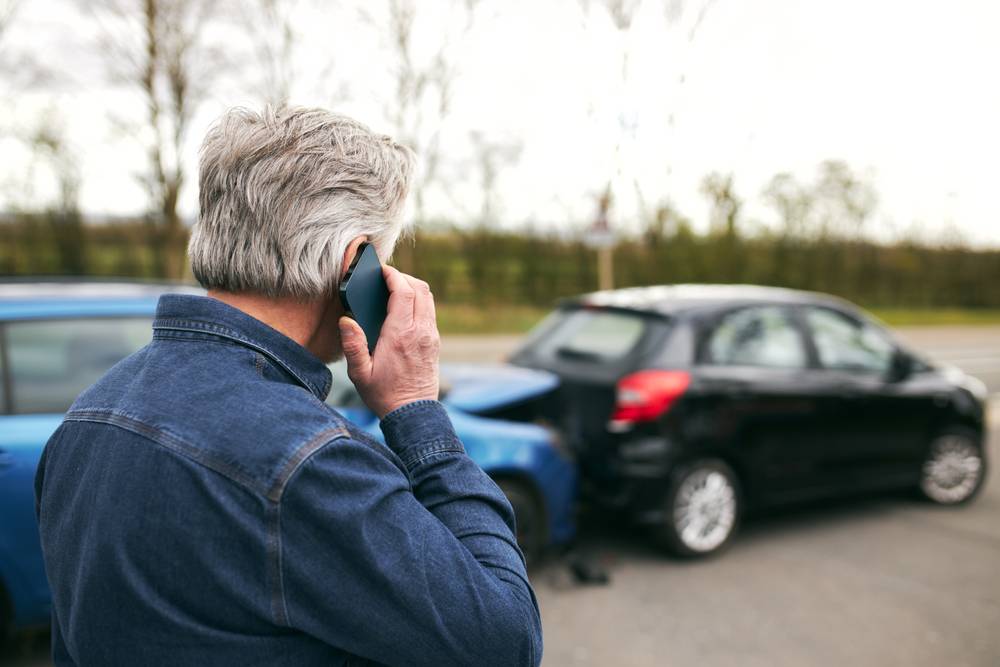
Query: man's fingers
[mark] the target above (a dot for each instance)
(401, 297)
(355, 346)
(423, 305)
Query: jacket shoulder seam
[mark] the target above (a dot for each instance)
(169, 441)
(194, 326)
(300, 456)
(279, 605)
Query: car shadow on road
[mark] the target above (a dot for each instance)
(824, 514)
(606, 540)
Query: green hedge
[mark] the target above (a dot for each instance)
(482, 268)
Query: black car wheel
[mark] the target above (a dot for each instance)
(528, 516)
(954, 469)
(702, 509)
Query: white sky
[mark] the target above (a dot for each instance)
(904, 91)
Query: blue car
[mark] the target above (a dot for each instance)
(57, 338)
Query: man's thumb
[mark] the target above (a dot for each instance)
(355, 346)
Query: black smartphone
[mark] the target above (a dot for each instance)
(364, 294)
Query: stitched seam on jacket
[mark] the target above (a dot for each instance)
(167, 441)
(429, 452)
(300, 456)
(200, 327)
(278, 607)
(409, 407)
(199, 337)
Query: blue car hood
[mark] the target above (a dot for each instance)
(478, 388)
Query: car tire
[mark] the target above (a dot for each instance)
(528, 517)
(954, 469)
(702, 509)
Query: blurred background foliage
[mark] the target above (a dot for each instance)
(496, 280)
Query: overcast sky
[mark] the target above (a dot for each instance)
(904, 91)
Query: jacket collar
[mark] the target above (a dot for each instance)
(207, 315)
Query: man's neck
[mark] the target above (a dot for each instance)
(299, 320)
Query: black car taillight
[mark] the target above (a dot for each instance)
(645, 396)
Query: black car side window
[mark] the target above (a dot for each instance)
(757, 336)
(845, 344)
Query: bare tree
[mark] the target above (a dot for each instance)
(600, 233)
(718, 188)
(50, 144)
(158, 49)
(270, 26)
(683, 19)
(837, 204)
(492, 157)
(725, 211)
(845, 200)
(423, 86)
(19, 70)
(7, 10)
(793, 203)
(621, 13)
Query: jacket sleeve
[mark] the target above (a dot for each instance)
(415, 565)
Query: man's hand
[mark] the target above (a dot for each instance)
(404, 366)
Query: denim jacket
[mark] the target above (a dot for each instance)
(202, 505)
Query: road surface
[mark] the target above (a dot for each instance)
(882, 581)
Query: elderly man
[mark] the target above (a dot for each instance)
(201, 505)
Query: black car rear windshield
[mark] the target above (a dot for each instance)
(586, 334)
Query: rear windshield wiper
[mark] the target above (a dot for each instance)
(574, 353)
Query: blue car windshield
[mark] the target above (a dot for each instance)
(50, 362)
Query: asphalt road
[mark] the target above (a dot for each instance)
(878, 581)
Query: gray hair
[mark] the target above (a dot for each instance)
(284, 192)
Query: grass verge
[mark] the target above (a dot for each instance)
(499, 319)
(901, 317)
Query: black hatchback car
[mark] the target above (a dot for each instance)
(689, 404)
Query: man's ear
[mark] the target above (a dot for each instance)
(349, 253)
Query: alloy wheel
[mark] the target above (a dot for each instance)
(952, 471)
(704, 510)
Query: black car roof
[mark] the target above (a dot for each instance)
(672, 299)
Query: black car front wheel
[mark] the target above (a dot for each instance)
(702, 509)
(954, 469)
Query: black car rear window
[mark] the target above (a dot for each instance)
(600, 335)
